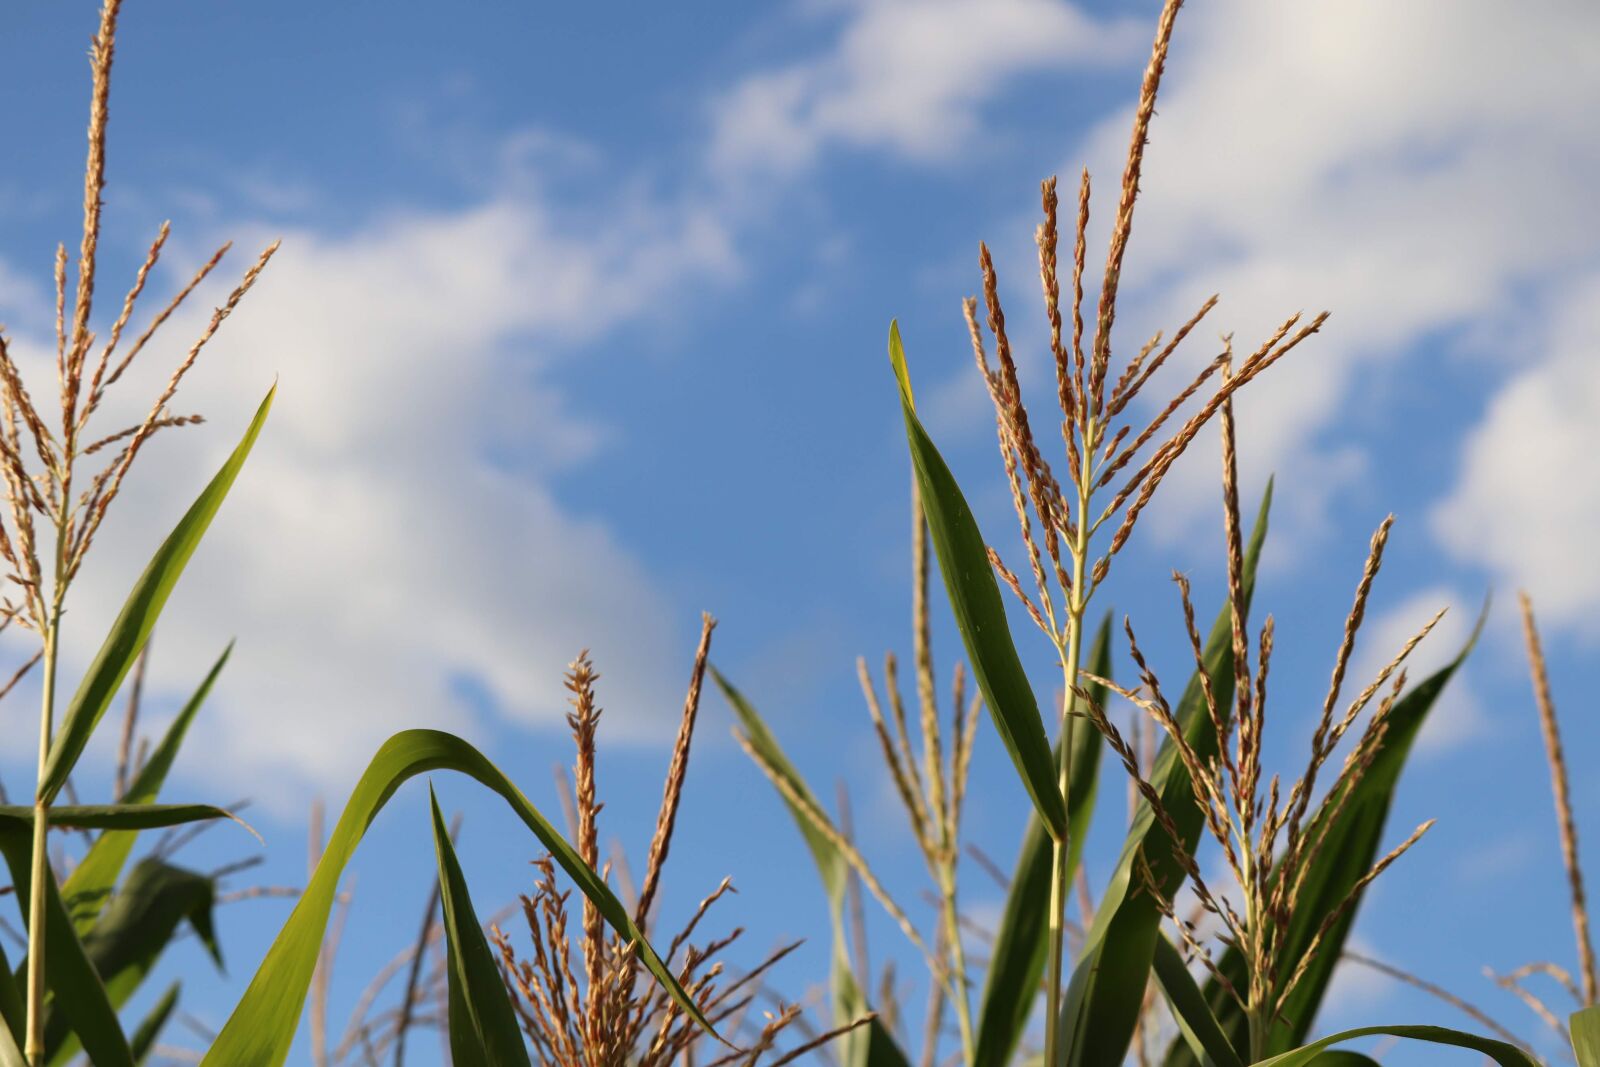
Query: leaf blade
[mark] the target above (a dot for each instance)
(138, 616)
(980, 611)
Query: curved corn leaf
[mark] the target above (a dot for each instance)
(1499, 1051)
(135, 929)
(1344, 1058)
(980, 612)
(115, 816)
(1353, 845)
(67, 970)
(872, 1045)
(483, 1027)
(91, 881)
(262, 1026)
(1585, 1028)
(1104, 998)
(132, 628)
(1195, 1022)
(144, 1038)
(1023, 939)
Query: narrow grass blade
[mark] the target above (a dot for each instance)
(144, 1038)
(142, 920)
(1196, 1023)
(262, 1026)
(980, 612)
(91, 881)
(1499, 1051)
(116, 816)
(1023, 940)
(68, 973)
(1106, 994)
(483, 1028)
(1353, 845)
(1585, 1027)
(132, 628)
(871, 1046)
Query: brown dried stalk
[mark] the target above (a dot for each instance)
(1563, 799)
(601, 1012)
(1267, 842)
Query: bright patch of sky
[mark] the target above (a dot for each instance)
(579, 328)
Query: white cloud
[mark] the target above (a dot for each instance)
(1458, 717)
(374, 555)
(1415, 168)
(909, 76)
(1519, 507)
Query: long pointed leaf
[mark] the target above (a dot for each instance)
(144, 1038)
(483, 1027)
(1198, 1026)
(115, 816)
(91, 881)
(1022, 941)
(68, 972)
(136, 928)
(980, 612)
(1106, 994)
(132, 628)
(262, 1026)
(1353, 845)
(1502, 1053)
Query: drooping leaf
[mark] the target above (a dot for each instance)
(1499, 1051)
(1196, 1023)
(132, 627)
(1104, 998)
(872, 1045)
(1022, 941)
(483, 1026)
(67, 970)
(91, 881)
(144, 1038)
(137, 926)
(262, 1026)
(1353, 845)
(980, 611)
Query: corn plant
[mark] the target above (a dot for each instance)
(80, 966)
(1303, 859)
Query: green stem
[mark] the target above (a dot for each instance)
(958, 954)
(37, 893)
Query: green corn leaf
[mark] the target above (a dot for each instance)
(1353, 846)
(1023, 939)
(1499, 1051)
(1344, 1058)
(68, 973)
(263, 1025)
(136, 927)
(91, 881)
(980, 611)
(13, 1015)
(871, 1046)
(1105, 996)
(144, 1038)
(1585, 1027)
(132, 628)
(483, 1027)
(116, 816)
(1195, 1022)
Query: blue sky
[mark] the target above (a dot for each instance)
(579, 326)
